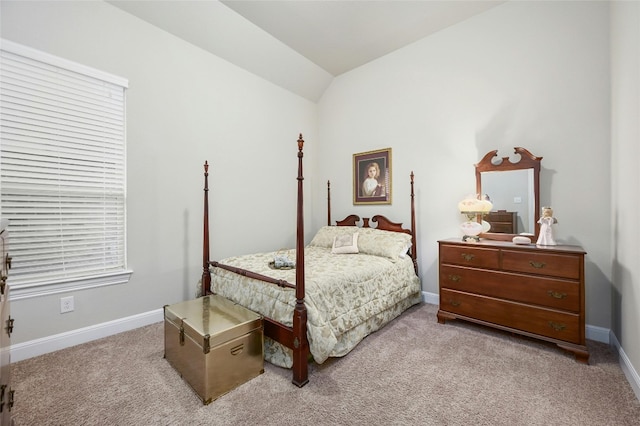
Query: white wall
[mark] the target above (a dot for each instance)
(530, 74)
(184, 106)
(625, 61)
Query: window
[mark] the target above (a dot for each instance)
(62, 172)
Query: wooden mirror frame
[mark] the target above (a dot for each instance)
(527, 161)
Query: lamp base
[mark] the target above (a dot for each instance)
(471, 239)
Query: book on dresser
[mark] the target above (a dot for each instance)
(536, 291)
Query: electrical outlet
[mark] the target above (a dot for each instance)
(66, 304)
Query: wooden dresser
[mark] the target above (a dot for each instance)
(502, 221)
(6, 392)
(536, 291)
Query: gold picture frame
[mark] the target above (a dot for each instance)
(372, 177)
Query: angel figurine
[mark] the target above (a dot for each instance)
(546, 231)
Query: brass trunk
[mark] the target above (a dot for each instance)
(215, 344)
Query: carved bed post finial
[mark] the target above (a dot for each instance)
(300, 143)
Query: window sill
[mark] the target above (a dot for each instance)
(26, 291)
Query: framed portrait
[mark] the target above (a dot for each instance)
(372, 177)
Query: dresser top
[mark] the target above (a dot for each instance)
(508, 244)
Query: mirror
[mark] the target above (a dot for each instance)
(513, 188)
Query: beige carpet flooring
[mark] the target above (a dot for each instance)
(412, 372)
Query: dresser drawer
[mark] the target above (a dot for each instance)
(470, 256)
(551, 264)
(500, 216)
(542, 291)
(544, 322)
(502, 227)
(502, 221)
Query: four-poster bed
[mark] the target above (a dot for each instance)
(341, 299)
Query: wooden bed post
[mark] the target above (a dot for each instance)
(206, 275)
(328, 203)
(300, 343)
(414, 246)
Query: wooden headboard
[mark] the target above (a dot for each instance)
(382, 222)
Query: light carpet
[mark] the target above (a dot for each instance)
(413, 371)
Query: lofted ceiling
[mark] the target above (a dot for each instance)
(302, 44)
(341, 35)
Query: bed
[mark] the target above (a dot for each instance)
(349, 281)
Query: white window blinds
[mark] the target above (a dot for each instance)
(62, 169)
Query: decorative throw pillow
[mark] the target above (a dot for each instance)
(325, 235)
(344, 244)
(389, 244)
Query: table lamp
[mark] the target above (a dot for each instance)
(472, 207)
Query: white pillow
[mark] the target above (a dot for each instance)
(404, 250)
(345, 244)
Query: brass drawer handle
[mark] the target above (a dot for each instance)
(556, 295)
(454, 302)
(467, 257)
(9, 327)
(537, 265)
(556, 326)
(455, 278)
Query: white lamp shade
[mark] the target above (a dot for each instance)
(485, 206)
(471, 228)
(473, 205)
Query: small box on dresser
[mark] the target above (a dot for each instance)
(215, 344)
(536, 291)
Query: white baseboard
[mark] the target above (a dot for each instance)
(627, 368)
(26, 350)
(430, 298)
(599, 334)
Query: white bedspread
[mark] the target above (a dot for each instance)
(347, 296)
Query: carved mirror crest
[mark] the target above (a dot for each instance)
(514, 189)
